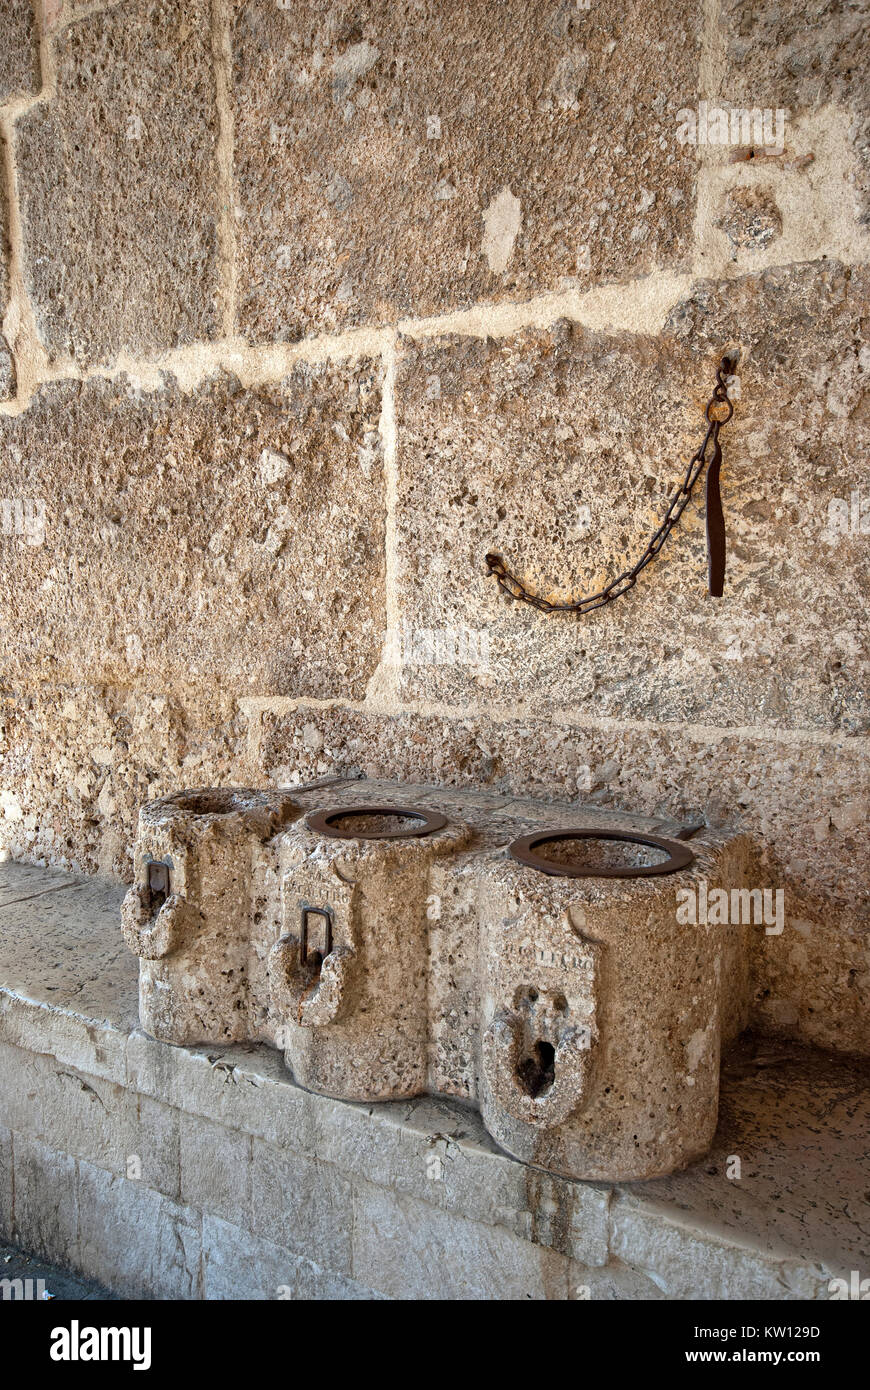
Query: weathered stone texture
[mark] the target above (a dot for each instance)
(227, 540)
(90, 1118)
(6, 1185)
(118, 184)
(7, 369)
(215, 1169)
(45, 1210)
(471, 1176)
(302, 1205)
(802, 58)
(238, 1265)
(795, 54)
(804, 803)
(19, 51)
(559, 449)
(76, 765)
(700, 1266)
(394, 159)
(774, 1088)
(149, 1243)
(456, 1259)
(750, 220)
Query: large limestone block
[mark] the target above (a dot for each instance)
(499, 150)
(77, 764)
(118, 184)
(559, 449)
(350, 974)
(225, 539)
(187, 915)
(19, 51)
(796, 55)
(601, 1018)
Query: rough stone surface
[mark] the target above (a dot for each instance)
(77, 765)
(810, 63)
(49, 952)
(19, 51)
(215, 1169)
(209, 843)
(139, 1241)
(407, 1250)
(633, 1072)
(434, 1151)
(770, 63)
(46, 1101)
(170, 519)
(45, 1209)
(6, 1182)
(771, 1090)
(303, 1205)
(780, 1229)
(118, 183)
(751, 219)
(499, 152)
(7, 368)
(398, 966)
(237, 1265)
(714, 1269)
(359, 1026)
(559, 450)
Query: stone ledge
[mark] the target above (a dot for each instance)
(250, 1184)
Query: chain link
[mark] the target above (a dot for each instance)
(718, 412)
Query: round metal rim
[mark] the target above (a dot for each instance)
(322, 822)
(523, 851)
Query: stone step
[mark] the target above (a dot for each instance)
(171, 1172)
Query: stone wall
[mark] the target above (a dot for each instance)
(307, 307)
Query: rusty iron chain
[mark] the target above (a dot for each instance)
(718, 412)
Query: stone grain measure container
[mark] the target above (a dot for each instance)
(388, 956)
(354, 1006)
(188, 914)
(601, 1018)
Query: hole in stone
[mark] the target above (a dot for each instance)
(604, 853)
(217, 801)
(374, 823)
(537, 1072)
(610, 854)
